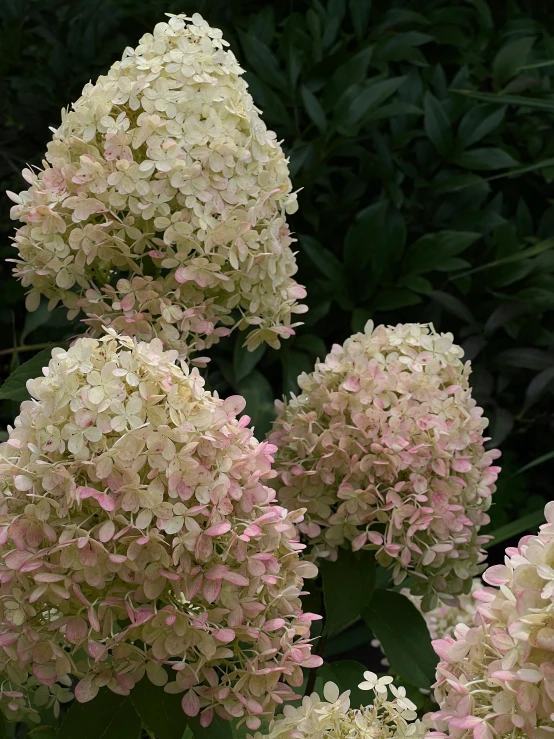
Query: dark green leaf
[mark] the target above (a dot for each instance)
(313, 345)
(527, 523)
(432, 250)
(395, 297)
(510, 58)
(392, 110)
(324, 260)
(347, 674)
(486, 158)
(159, 711)
(365, 236)
(15, 386)
(502, 99)
(354, 573)
(367, 100)
(261, 59)
(258, 394)
(314, 109)
(244, 361)
(453, 305)
(218, 729)
(437, 125)
(539, 460)
(294, 363)
(525, 358)
(404, 636)
(360, 11)
(538, 386)
(108, 716)
(478, 123)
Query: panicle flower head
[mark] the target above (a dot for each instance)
(333, 718)
(496, 678)
(384, 447)
(137, 535)
(161, 208)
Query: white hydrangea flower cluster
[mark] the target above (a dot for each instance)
(161, 208)
(137, 534)
(333, 718)
(496, 677)
(384, 447)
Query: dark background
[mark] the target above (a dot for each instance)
(421, 136)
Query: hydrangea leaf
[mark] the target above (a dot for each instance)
(108, 716)
(354, 574)
(160, 712)
(404, 637)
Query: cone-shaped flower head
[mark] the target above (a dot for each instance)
(386, 717)
(496, 678)
(137, 534)
(384, 448)
(161, 208)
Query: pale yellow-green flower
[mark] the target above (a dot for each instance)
(161, 206)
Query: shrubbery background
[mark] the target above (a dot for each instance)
(421, 136)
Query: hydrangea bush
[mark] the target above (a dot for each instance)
(136, 532)
(385, 718)
(161, 208)
(496, 677)
(384, 447)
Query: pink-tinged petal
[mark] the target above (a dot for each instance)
(528, 696)
(190, 703)
(225, 635)
(45, 674)
(236, 579)
(106, 502)
(206, 717)
(312, 661)
(117, 558)
(461, 465)
(274, 624)
(106, 531)
(234, 405)
(216, 572)
(16, 559)
(183, 275)
(7, 639)
(497, 575)
(218, 529)
(76, 630)
(84, 492)
(482, 731)
(86, 690)
(503, 675)
(464, 722)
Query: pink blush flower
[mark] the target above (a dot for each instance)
(385, 435)
(139, 538)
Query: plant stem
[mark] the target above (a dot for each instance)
(25, 348)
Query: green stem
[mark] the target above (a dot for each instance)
(25, 348)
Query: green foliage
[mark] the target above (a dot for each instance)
(354, 574)
(160, 712)
(108, 716)
(403, 633)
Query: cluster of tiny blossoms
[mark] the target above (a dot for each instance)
(332, 718)
(161, 208)
(496, 678)
(137, 535)
(384, 448)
